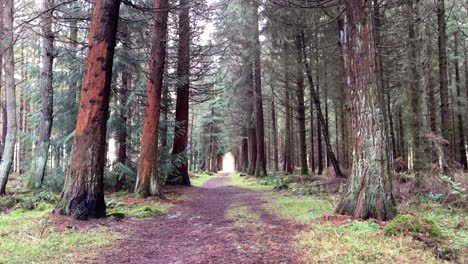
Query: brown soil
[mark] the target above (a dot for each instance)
(197, 231)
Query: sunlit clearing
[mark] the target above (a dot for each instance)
(228, 162)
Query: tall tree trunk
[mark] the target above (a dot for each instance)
(320, 118)
(461, 131)
(148, 177)
(73, 86)
(260, 170)
(181, 176)
(2, 113)
(288, 159)
(446, 121)
(300, 106)
(122, 127)
(417, 91)
(10, 97)
(319, 130)
(312, 148)
(431, 102)
(244, 160)
(83, 191)
(274, 131)
(369, 192)
(47, 95)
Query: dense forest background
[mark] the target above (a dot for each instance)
(134, 95)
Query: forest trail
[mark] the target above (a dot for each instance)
(199, 231)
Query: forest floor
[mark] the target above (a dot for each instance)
(226, 218)
(217, 223)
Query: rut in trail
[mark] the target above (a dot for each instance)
(197, 231)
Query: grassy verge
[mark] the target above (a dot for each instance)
(250, 183)
(28, 233)
(30, 237)
(199, 179)
(342, 240)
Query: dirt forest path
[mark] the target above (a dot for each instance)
(197, 231)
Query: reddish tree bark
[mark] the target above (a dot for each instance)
(369, 193)
(181, 176)
(148, 177)
(83, 191)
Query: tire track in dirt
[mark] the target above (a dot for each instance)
(197, 231)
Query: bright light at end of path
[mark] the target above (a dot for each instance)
(228, 162)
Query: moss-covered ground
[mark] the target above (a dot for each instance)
(29, 233)
(427, 232)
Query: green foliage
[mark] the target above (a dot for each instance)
(406, 223)
(249, 183)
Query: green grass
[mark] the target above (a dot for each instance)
(199, 179)
(29, 237)
(301, 208)
(359, 241)
(250, 183)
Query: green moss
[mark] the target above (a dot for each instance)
(139, 211)
(301, 208)
(406, 223)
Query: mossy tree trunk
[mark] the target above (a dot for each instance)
(83, 191)
(369, 193)
(148, 177)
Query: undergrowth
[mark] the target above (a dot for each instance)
(444, 230)
(30, 237)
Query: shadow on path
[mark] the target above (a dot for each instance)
(197, 231)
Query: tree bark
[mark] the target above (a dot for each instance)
(83, 191)
(288, 161)
(416, 90)
(121, 132)
(148, 177)
(2, 49)
(369, 193)
(300, 106)
(181, 176)
(10, 97)
(260, 170)
(47, 95)
(461, 131)
(446, 121)
(274, 132)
